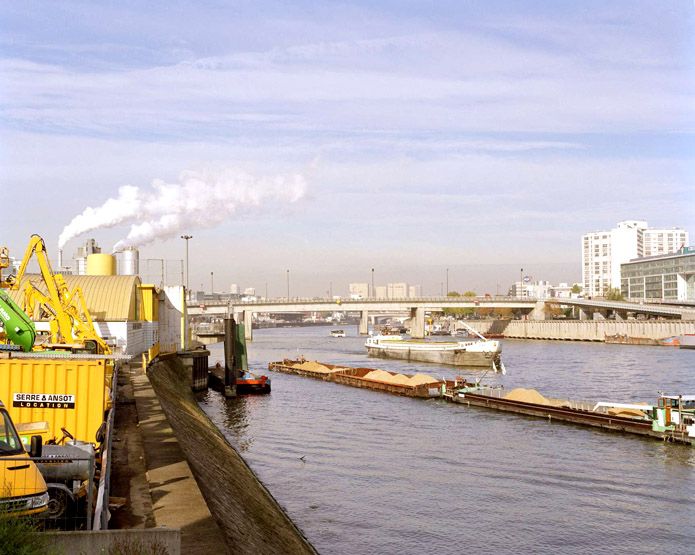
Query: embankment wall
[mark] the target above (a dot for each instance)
(583, 330)
(251, 519)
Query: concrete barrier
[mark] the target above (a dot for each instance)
(588, 330)
(164, 541)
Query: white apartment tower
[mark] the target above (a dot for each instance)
(604, 251)
(664, 241)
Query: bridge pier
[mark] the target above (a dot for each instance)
(248, 325)
(417, 323)
(538, 312)
(364, 322)
(583, 315)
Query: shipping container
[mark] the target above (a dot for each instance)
(70, 393)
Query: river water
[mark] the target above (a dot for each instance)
(363, 472)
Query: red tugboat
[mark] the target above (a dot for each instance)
(234, 378)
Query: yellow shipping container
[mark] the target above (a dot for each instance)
(70, 393)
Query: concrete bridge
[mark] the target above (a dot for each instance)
(417, 308)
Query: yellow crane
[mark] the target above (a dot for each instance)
(70, 322)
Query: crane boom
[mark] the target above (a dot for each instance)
(67, 311)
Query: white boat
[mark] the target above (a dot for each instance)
(478, 352)
(337, 333)
(687, 341)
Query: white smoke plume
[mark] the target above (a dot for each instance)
(200, 199)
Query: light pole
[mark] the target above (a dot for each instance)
(187, 237)
(447, 282)
(330, 290)
(521, 283)
(288, 284)
(373, 291)
(212, 283)
(266, 290)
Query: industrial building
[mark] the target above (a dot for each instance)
(130, 316)
(667, 277)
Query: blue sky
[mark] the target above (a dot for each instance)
(478, 136)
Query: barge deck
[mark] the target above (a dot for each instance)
(670, 421)
(358, 377)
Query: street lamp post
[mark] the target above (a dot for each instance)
(330, 290)
(212, 283)
(373, 291)
(447, 282)
(521, 283)
(186, 238)
(288, 284)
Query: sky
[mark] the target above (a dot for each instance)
(330, 138)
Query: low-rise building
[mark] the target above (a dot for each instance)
(397, 290)
(358, 290)
(415, 291)
(666, 277)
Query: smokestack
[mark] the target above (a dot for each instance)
(60, 260)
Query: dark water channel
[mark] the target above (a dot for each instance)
(385, 474)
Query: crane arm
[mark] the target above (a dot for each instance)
(70, 317)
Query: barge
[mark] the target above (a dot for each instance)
(671, 419)
(483, 352)
(418, 385)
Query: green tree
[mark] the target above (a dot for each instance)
(614, 294)
(576, 288)
(458, 311)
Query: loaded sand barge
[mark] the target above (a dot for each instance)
(671, 419)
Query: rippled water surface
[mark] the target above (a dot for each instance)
(388, 474)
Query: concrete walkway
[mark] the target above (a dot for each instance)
(176, 500)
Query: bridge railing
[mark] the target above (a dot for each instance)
(338, 302)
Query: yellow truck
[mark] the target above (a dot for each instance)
(23, 490)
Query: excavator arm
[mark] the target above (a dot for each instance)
(67, 311)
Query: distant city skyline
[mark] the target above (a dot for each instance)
(329, 139)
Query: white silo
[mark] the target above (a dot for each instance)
(130, 265)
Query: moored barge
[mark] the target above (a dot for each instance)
(671, 419)
(418, 385)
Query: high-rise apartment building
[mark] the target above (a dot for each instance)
(664, 241)
(604, 251)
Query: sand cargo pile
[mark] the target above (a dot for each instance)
(418, 385)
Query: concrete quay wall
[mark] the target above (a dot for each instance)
(251, 519)
(586, 330)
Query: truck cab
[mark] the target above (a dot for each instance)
(23, 491)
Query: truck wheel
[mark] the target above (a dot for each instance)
(59, 504)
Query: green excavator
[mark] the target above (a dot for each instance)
(18, 327)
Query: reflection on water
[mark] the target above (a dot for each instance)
(365, 472)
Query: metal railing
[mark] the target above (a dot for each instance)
(101, 511)
(56, 490)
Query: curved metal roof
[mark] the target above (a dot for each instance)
(108, 298)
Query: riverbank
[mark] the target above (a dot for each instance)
(249, 517)
(583, 330)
